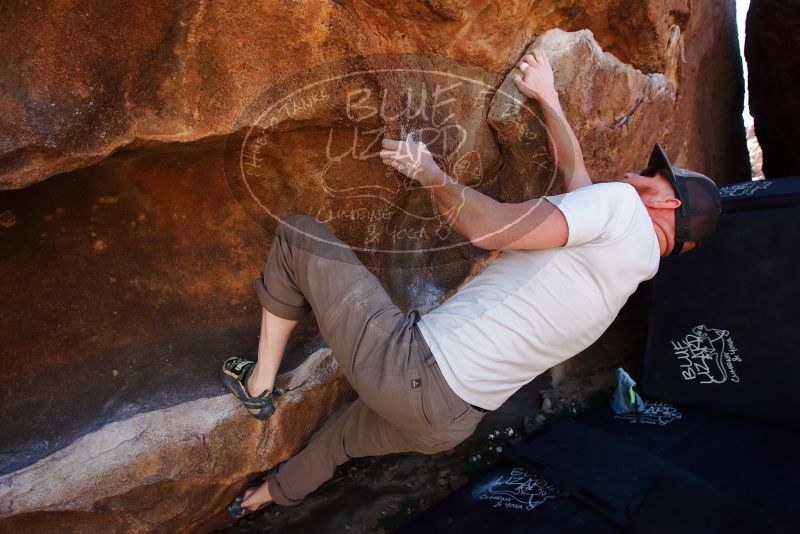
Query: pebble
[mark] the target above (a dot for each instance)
(529, 426)
(7, 219)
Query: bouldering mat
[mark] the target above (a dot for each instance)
(722, 329)
(608, 473)
(508, 498)
(754, 461)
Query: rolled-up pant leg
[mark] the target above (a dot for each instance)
(378, 349)
(308, 268)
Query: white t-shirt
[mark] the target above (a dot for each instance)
(530, 310)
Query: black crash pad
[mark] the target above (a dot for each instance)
(511, 499)
(671, 468)
(723, 326)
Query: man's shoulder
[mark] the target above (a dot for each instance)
(614, 197)
(611, 190)
(615, 188)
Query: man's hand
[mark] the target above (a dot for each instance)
(536, 80)
(414, 160)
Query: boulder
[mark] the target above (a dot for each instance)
(773, 27)
(85, 83)
(148, 152)
(169, 470)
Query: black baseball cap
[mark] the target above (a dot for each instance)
(697, 216)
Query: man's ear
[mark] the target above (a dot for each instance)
(667, 203)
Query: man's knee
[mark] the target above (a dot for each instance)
(303, 225)
(302, 232)
(301, 221)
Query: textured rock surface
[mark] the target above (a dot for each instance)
(773, 36)
(87, 81)
(124, 287)
(168, 470)
(614, 106)
(125, 283)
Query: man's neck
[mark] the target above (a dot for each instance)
(665, 233)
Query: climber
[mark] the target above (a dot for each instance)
(568, 264)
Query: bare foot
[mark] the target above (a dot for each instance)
(255, 498)
(252, 386)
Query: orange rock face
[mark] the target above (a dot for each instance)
(85, 82)
(129, 279)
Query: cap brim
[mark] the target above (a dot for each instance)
(659, 161)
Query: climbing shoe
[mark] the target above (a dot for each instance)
(234, 375)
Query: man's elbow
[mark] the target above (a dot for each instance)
(497, 239)
(486, 242)
(497, 231)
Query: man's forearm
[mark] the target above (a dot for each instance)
(494, 225)
(486, 222)
(467, 211)
(564, 146)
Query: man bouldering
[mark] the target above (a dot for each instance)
(568, 264)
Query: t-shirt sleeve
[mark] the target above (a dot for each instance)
(592, 211)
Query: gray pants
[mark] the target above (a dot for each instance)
(404, 403)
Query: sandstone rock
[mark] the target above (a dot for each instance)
(168, 470)
(86, 83)
(773, 28)
(617, 112)
(7, 219)
(147, 254)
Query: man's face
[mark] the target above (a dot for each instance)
(654, 190)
